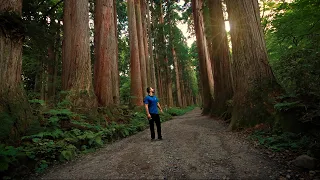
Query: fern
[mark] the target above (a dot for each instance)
(288, 105)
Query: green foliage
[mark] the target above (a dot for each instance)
(57, 144)
(7, 123)
(283, 141)
(8, 156)
(292, 40)
(178, 111)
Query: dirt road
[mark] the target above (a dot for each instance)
(193, 147)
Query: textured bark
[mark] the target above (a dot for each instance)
(136, 84)
(105, 51)
(205, 65)
(153, 80)
(145, 40)
(220, 58)
(76, 68)
(162, 60)
(13, 101)
(115, 64)
(141, 45)
(176, 69)
(250, 64)
(169, 84)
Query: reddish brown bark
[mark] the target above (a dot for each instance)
(142, 54)
(136, 84)
(76, 68)
(105, 51)
(253, 78)
(145, 40)
(115, 65)
(176, 69)
(205, 65)
(13, 101)
(220, 58)
(153, 80)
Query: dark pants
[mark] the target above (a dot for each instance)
(155, 118)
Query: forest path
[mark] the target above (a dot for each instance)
(194, 147)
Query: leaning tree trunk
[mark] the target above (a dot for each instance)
(76, 68)
(205, 65)
(15, 112)
(141, 45)
(105, 51)
(254, 82)
(136, 84)
(220, 58)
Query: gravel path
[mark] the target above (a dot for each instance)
(194, 147)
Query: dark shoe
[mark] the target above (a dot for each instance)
(160, 138)
(152, 139)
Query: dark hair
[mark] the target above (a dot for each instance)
(148, 89)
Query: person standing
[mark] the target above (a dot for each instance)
(152, 104)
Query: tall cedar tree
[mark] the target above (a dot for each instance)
(115, 64)
(53, 61)
(205, 65)
(135, 73)
(152, 74)
(176, 69)
(167, 64)
(145, 39)
(220, 58)
(142, 54)
(105, 51)
(253, 77)
(76, 65)
(13, 101)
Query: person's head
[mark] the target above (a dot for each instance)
(150, 90)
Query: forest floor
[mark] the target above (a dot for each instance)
(193, 147)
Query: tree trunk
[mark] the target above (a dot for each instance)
(76, 68)
(177, 77)
(145, 39)
(141, 45)
(220, 58)
(13, 101)
(136, 84)
(105, 51)
(152, 63)
(115, 64)
(253, 80)
(205, 65)
(52, 65)
(169, 83)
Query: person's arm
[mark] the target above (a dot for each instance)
(158, 104)
(147, 111)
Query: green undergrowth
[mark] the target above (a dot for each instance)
(301, 143)
(64, 135)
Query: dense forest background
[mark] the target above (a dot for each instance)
(73, 73)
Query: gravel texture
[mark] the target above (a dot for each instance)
(193, 147)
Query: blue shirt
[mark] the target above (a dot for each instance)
(152, 102)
